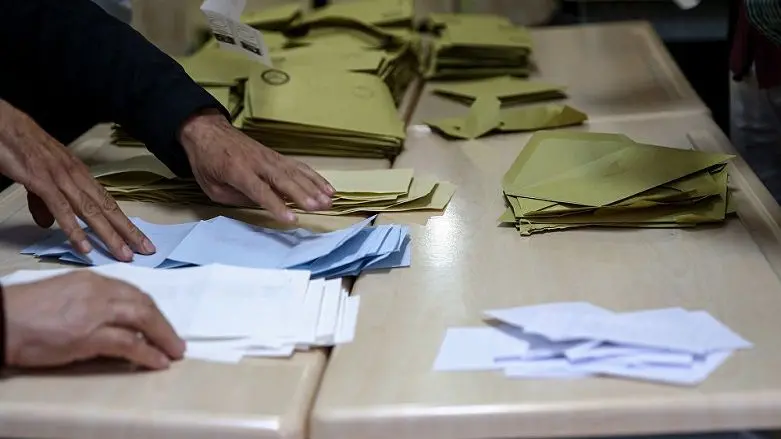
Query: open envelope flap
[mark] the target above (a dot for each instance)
(540, 117)
(522, 174)
(146, 164)
(483, 116)
(610, 172)
(501, 87)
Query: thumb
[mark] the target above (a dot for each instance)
(40, 212)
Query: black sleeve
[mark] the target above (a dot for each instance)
(73, 57)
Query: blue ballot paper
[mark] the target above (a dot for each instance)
(221, 240)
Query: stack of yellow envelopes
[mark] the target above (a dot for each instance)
(563, 180)
(381, 13)
(397, 67)
(231, 97)
(276, 18)
(508, 89)
(385, 190)
(300, 110)
(367, 36)
(476, 46)
(144, 178)
(486, 117)
(383, 28)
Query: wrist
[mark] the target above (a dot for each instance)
(200, 128)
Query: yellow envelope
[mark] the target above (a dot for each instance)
(377, 181)
(505, 88)
(272, 18)
(375, 12)
(578, 168)
(352, 102)
(509, 120)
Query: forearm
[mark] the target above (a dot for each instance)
(103, 66)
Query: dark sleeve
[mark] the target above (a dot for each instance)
(103, 67)
(765, 16)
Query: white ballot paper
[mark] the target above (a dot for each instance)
(226, 313)
(231, 34)
(578, 339)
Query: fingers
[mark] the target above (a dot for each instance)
(299, 188)
(115, 342)
(116, 219)
(92, 214)
(71, 186)
(138, 312)
(254, 188)
(317, 179)
(60, 208)
(41, 214)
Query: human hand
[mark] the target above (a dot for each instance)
(60, 188)
(82, 315)
(233, 169)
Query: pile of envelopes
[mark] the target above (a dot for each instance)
(477, 45)
(145, 178)
(227, 313)
(221, 240)
(486, 116)
(328, 50)
(322, 112)
(563, 180)
(570, 340)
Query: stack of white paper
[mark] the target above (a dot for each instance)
(222, 240)
(578, 339)
(227, 313)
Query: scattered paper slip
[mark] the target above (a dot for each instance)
(227, 313)
(578, 339)
(223, 17)
(221, 240)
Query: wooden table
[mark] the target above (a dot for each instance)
(615, 70)
(382, 385)
(259, 398)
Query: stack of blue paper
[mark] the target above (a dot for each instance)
(222, 240)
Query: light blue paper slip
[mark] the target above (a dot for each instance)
(221, 240)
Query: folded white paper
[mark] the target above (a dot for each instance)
(227, 313)
(578, 339)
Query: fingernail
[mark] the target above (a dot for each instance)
(148, 246)
(331, 190)
(84, 246)
(163, 361)
(126, 253)
(312, 203)
(290, 217)
(324, 200)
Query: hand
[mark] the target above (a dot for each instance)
(60, 187)
(233, 169)
(80, 316)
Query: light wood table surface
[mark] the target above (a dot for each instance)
(382, 385)
(258, 398)
(611, 70)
